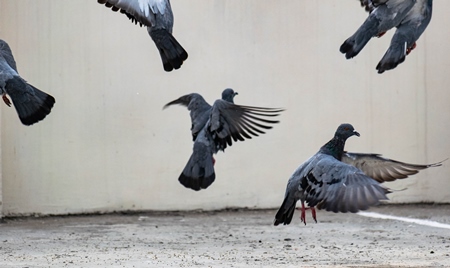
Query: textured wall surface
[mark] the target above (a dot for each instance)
(108, 145)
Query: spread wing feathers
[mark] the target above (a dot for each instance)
(142, 12)
(335, 186)
(199, 111)
(230, 122)
(6, 53)
(383, 169)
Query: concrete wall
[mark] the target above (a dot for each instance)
(108, 145)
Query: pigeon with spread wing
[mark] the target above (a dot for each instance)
(340, 181)
(216, 127)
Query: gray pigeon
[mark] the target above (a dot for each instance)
(339, 181)
(32, 105)
(406, 35)
(158, 17)
(215, 127)
(411, 17)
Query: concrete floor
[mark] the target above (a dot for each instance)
(229, 239)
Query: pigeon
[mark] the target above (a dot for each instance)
(32, 105)
(158, 17)
(410, 17)
(339, 181)
(216, 127)
(406, 35)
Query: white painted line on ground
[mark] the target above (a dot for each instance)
(411, 220)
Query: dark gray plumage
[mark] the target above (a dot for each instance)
(216, 127)
(158, 17)
(411, 17)
(32, 105)
(339, 181)
(406, 35)
(381, 19)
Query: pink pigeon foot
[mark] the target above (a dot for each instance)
(409, 49)
(303, 213)
(6, 100)
(381, 34)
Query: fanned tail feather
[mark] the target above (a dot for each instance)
(32, 105)
(286, 212)
(171, 52)
(199, 171)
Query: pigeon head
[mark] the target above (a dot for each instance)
(228, 95)
(345, 131)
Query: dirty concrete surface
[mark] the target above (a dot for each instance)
(238, 238)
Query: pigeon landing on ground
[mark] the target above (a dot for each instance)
(339, 181)
(216, 127)
(158, 17)
(32, 105)
(411, 17)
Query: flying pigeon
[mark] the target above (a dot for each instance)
(214, 127)
(158, 17)
(340, 181)
(411, 17)
(406, 35)
(32, 105)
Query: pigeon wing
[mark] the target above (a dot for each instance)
(336, 186)
(199, 110)
(6, 53)
(142, 11)
(230, 122)
(383, 169)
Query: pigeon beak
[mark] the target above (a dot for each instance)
(235, 93)
(356, 133)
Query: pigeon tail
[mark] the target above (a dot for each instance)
(32, 105)
(172, 53)
(401, 44)
(286, 211)
(355, 43)
(199, 171)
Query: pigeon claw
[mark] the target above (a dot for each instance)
(411, 48)
(6, 100)
(303, 214)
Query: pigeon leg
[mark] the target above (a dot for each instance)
(409, 49)
(6, 100)
(303, 214)
(381, 34)
(313, 213)
(214, 160)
